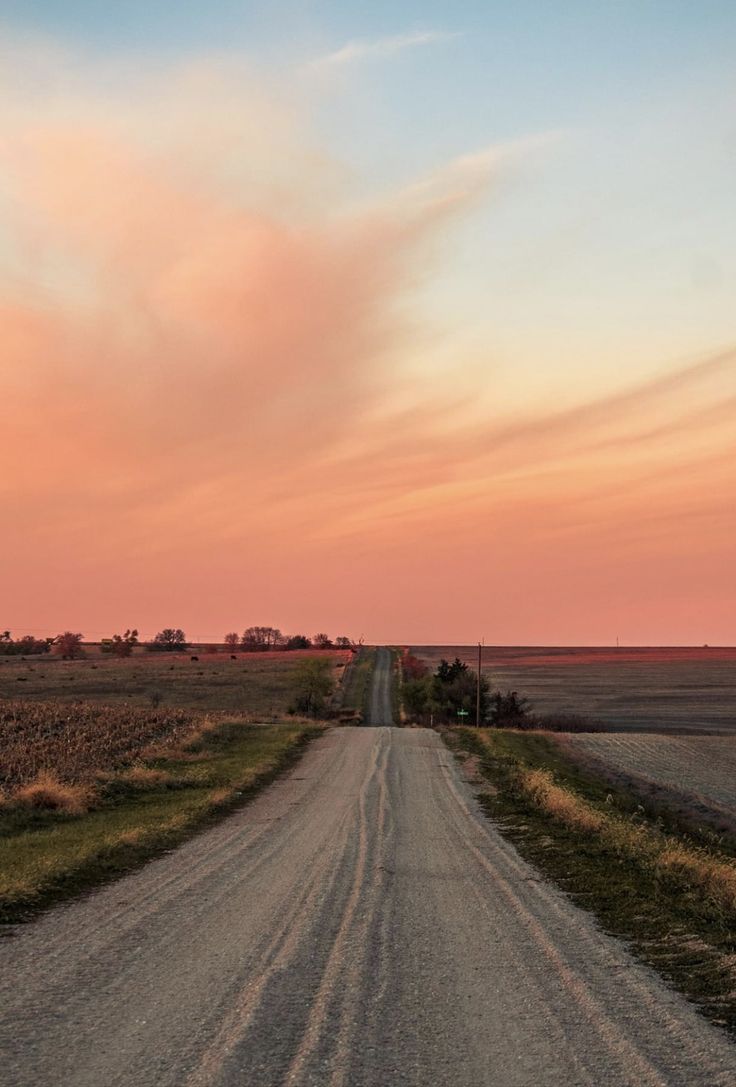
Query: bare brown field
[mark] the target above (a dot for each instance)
(681, 690)
(703, 767)
(254, 685)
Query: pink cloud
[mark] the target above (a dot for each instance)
(201, 377)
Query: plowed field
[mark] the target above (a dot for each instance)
(677, 690)
(704, 766)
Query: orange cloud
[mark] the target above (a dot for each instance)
(204, 403)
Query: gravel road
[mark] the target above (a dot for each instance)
(361, 923)
(380, 711)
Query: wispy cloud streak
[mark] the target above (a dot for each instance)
(379, 48)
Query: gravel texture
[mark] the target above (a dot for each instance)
(379, 705)
(361, 923)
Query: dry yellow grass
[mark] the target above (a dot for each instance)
(701, 873)
(691, 868)
(540, 787)
(47, 792)
(145, 777)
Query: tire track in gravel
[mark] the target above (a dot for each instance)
(380, 711)
(621, 1049)
(361, 923)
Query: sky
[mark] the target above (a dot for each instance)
(406, 321)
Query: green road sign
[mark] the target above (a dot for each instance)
(463, 713)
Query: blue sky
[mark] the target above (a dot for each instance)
(618, 241)
(642, 93)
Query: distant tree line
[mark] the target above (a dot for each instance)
(260, 639)
(70, 645)
(23, 647)
(168, 640)
(120, 645)
(67, 645)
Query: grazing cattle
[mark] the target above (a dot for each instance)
(194, 658)
(233, 657)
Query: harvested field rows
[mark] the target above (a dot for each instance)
(704, 766)
(676, 690)
(74, 742)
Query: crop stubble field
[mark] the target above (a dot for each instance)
(104, 761)
(674, 690)
(74, 741)
(75, 719)
(701, 766)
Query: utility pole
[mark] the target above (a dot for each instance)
(477, 690)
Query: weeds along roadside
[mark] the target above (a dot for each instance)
(49, 855)
(672, 900)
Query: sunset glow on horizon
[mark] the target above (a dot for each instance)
(376, 326)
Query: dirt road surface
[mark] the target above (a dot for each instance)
(361, 923)
(380, 711)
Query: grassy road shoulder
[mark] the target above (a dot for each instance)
(673, 900)
(46, 856)
(357, 684)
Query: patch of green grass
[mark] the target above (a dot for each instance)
(48, 856)
(671, 900)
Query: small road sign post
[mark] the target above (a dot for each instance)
(477, 688)
(463, 713)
